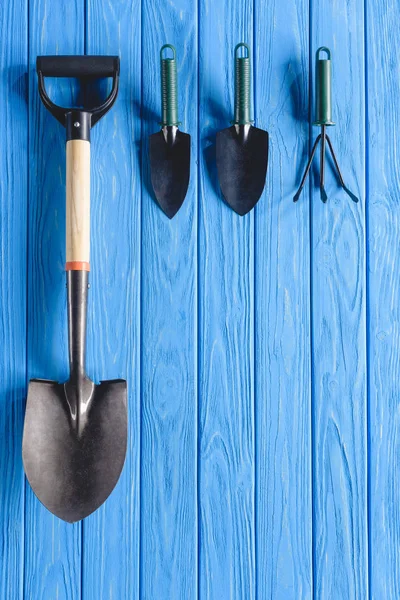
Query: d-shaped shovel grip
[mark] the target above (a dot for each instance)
(78, 66)
(84, 68)
(78, 123)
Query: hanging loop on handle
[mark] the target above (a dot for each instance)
(242, 111)
(323, 88)
(169, 89)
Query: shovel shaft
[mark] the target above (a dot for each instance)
(77, 237)
(78, 204)
(77, 290)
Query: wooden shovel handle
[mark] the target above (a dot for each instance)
(78, 205)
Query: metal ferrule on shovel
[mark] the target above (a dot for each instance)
(75, 433)
(242, 150)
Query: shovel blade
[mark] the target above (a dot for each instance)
(73, 461)
(170, 170)
(242, 167)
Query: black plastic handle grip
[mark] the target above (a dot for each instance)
(78, 66)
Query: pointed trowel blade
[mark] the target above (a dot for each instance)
(242, 166)
(170, 170)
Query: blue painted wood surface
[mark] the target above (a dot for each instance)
(383, 308)
(282, 305)
(338, 312)
(226, 330)
(261, 352)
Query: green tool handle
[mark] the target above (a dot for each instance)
(169, 89)
(323, 91)
(242, 114)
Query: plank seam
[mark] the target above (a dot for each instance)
(255, 431)
(82, 536)
(24, 486)
(312, 382)
(367, 305)
(198, 446)
(140, 569)
(82, 533)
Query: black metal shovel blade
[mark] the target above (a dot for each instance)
(73, 461)
(170, 170)
(242, 166)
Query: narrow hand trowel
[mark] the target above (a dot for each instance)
(323, 120)
(169, 148)
(242, 150)
(75, 433)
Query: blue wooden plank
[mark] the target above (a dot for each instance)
(339, 321)
(13, 210)
(226, 344)
(111, 535)
(244, 548)
(383, 226)
(52, 547)
(169, 334)
(282, 321)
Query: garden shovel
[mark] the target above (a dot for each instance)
(170, 147)
(242, 150)
(75, 433)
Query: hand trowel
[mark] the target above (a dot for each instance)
(169, 148)
(242, 149)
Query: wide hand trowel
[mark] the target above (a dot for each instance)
(242, 150)
(75, 433)
(169, 148)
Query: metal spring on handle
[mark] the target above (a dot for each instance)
(169, 89)
(242, 114)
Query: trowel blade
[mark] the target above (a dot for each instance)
(242, 166)
(170, 170)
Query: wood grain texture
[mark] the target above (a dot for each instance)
(245, 349)
(110, 567)
(383, 225)
(226, 343)
(13, 268)
(52, 547)
(282, 320)
(168, 560)
(339, 321)
(78, 201)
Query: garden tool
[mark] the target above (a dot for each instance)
(170, 147)
(75, 433)
(242, 150)
(323, 120)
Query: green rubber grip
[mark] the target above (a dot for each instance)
(323, 91)
(169, 89)
(242, 112)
